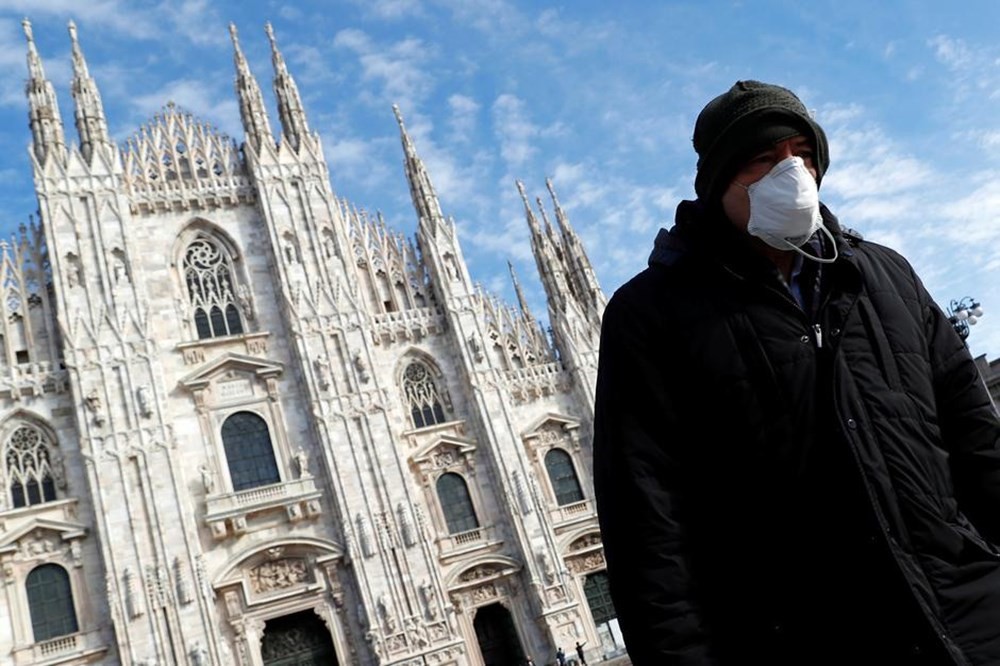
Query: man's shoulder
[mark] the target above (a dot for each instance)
(876, 252)
(646, 286)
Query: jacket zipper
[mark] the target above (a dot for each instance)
(818, 335)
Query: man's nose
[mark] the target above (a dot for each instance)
(784, 150)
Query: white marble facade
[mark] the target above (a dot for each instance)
(233, 407)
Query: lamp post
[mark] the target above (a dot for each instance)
(963, 313)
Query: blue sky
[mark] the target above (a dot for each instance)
(600, 96)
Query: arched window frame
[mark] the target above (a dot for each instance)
(31, 464)
(563, 494)
(424, 397)
(475, 523)
(276, 459)
(556, 431)
(37, 601)
(223, 305)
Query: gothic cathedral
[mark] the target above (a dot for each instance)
(243, 422)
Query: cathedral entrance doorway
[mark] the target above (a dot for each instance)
(498, 641)
(300, 639)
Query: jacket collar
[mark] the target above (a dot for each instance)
(701, 232)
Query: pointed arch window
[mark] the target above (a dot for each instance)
(422, 396)
(209, 277)
(28, 468)
(456, 503)
(565, 484)
(50, 602)
(249, 453)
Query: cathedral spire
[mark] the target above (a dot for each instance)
(43, 109)
(550, 231)
(252, 111)
(581, 270)
(421, 189)
(91, 124)
(547, 259)
(290, 111)
(522, 303)
(569, 235)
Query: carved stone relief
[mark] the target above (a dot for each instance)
(278, 575)
(586, 563)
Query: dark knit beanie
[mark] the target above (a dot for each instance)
(748, 118)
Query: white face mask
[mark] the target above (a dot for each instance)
(784, 208)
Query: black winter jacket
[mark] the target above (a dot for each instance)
(776, 487)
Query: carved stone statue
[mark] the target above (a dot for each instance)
(94, 406)
(322, 367)
(132, 601)
(302, 463)
(364, 536)
(74, 274)
(199, 655)
(548, 571)
(475, 348)
(183, 586)
(120, 272)
(244, 300)
(427, 596)
(385, 610)
(406, 525)
(207, 478)
(416, 633)
(144, 396)
(359, 365)
(59, 471)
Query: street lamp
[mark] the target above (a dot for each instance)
(964, 313)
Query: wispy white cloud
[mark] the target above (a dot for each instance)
(464, 110)
(124, 18)
(360, 161)
(973, 70)
(517, 133)
(975, 218)
(390, 9)
(497, 18)
(514, 130)
(866, 162)
(952, 52)
(290, 12)
(399, 68)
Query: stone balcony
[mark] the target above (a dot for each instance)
(228, 513)
(569, 515)
(461, 544)
(80, 647)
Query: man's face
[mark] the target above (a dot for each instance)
(736, 199)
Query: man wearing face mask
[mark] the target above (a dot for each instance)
(796, 461)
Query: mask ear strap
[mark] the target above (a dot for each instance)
(822, 260)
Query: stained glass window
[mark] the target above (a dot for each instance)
(50, 602)
(28, 468)
(208, 274)
(249, 453)
(563, 477)
(456, 504)
(422, 396)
